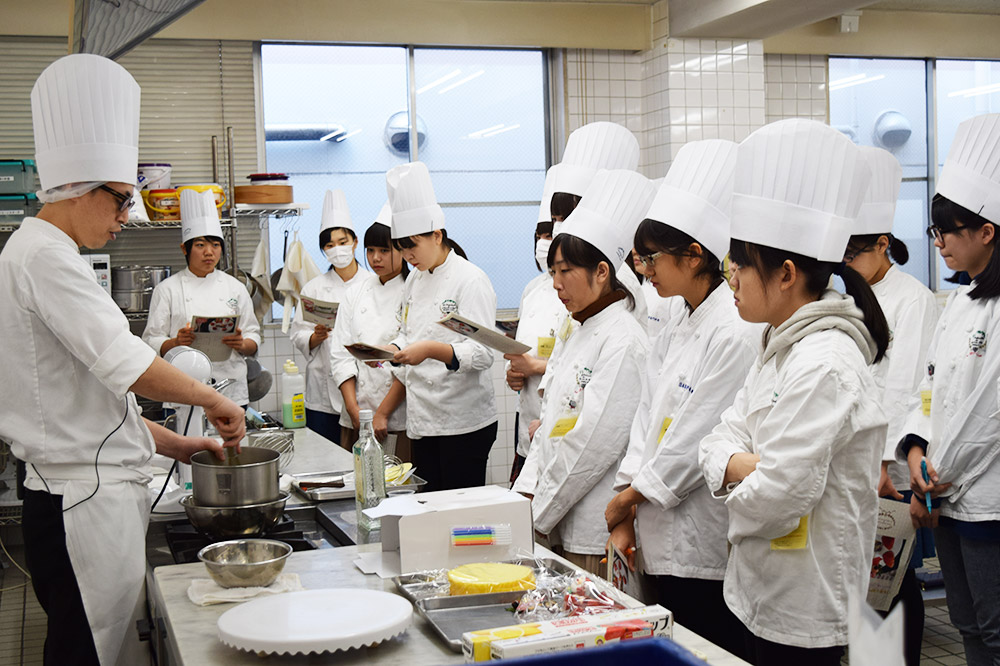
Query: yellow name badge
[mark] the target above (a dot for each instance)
(794, 540)
(545, 346)
(566, 328)
(563, 426)
(663, 428)
(925, 402)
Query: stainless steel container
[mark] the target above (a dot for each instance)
(248, 477)
(232, 522)
(245, 562)
(132, 301)
(137, 278)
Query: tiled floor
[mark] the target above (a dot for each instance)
(22, 623)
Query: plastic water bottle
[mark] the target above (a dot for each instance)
(293, 398)
(369, 472)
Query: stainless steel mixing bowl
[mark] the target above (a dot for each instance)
(245, 562)
(230, 522)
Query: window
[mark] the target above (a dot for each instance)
(339, 117)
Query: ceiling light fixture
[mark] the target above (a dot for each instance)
(978, 90)
(348, 135)
(334, 134)
(461, 81)
(501, 131)
(850, 84)
(446, 77)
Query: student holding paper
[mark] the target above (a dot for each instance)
(203, 290)
(371, 312)
(338, 242)
(451, 414)
(589, 391)
(796, 457)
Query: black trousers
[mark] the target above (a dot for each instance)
(698, 604)
(322, 423)
(69, 639)
(454, 461)
(912, 599)
(765, 653)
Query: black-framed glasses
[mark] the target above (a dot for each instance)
(125, 201)
(850, 255)
(937, 233)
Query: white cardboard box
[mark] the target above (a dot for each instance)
(416, 529)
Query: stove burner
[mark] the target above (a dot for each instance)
(185, 541)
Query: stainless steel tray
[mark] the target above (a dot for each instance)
(453, 616)
(347, 492)
(413, 585)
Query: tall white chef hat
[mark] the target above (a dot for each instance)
(595, 146)
(971, 173)
(85, 113)
(415, 209)
(697, 192)
(335, 211)
(879, 206)
(199, 216)
(545, 208)
(384, 216)
(610, 211)
(798, 186)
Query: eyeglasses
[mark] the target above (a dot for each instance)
(125, 201)
(647, 260)
(937, 233)
(851, 256)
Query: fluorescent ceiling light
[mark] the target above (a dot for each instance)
(847, 79)
(478, 134)
(500, 131)
(348, 135)
(978, 90)
(334, 134)
(867, 79)
(461, 81)
(446, 77)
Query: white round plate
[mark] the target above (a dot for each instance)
(315, 621)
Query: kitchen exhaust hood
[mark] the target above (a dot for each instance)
(112, 28)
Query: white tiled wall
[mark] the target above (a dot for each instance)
(795, 86)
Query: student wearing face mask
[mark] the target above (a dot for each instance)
(203, 290)
(372, 312)
(338, 242)
(796, 457)
(451, 414)
(911, 311)
(589, 392)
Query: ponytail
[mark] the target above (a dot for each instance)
(858, 289)
(452, 244)
(898, 251)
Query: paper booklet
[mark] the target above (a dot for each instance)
(366, 352)
(484, 335)
(208, 334)
(620, 575)
(316, 311)
(894, 539)
(507, 323)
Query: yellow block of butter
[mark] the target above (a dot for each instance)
(477, 644)
(482, 578)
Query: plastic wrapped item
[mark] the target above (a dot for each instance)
(557, 596)
(488, 577)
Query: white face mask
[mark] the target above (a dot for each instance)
(340, 256)
(542, 252)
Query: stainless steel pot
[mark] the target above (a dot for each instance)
(248, 477)
(231, 522)
(132, 301)
(137, 278)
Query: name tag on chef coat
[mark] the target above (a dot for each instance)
(563, 426)
(663, 428)
(566, 329)
(925, 402)
(545, 346)
(794, 540)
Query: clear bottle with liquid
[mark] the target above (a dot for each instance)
(369, 472)
(293, 402)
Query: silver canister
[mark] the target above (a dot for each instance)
(248, 477)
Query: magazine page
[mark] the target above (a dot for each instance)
(620, 575)
(507, 321)
(484, 335)
(366, 352)
(316, 311)
(894, 538)
(208, 334)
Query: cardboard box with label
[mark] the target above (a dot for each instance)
(430, 530)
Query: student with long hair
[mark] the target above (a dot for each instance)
(371, 312)
(589, 392)
(797, 455)
(911, 313)
(953, 424)
(697, 363)
(451, 415)
(338, 242)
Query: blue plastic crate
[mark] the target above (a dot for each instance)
(645, 651)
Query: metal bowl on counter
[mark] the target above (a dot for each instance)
(230, 522)
(245, 562)
(137, 278)
(247, 477)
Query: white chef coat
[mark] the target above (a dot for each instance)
(439, 401)
(681, 527)
(541, 313)
(627, 277)
(963, 431)
(370, 312)
(594, 380)
(660, 310)
(185, 295)
(809, 408)
(911, 311)
(69, 360)
(321, 393)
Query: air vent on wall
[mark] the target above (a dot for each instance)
(112, 28)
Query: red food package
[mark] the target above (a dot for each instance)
(627, 629)
(889, 558)
(888, 541)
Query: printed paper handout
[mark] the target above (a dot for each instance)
(365, 352)
(484, 335)
(316, 311)
(894, 538)
(208, 334)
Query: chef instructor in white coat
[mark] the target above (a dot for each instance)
(72, 364)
